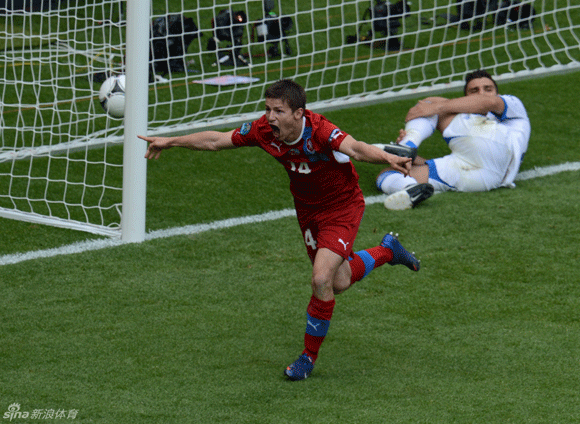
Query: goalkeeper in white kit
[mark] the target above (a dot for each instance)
(488, 136)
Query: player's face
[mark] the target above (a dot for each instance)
(286, 125)
(481, 86)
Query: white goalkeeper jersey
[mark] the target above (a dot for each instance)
(515, 120)
(493, 143)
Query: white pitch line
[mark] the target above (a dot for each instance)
(89, 245)
(547, 170)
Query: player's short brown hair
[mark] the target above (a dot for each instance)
(288, 91)
(480, 73)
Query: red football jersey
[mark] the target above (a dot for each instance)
(317, 177)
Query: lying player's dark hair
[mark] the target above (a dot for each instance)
(480, 73)
(288, 91)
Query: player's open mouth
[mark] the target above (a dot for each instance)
(275, 130)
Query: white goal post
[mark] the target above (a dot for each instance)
(192, 65)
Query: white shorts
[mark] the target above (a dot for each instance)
(479, 159)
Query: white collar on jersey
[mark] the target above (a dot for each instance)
(301, 133)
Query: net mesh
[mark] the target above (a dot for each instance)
(61, 154)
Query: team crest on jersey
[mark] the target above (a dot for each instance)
(294, 152)
(245, 128)
(334, 135)
(308, 146)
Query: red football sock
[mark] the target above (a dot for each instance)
(364, 261)
(318, 317)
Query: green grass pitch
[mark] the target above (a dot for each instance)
(198, 328)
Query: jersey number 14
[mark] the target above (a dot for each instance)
(303, 168)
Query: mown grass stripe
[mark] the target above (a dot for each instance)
(91, 245)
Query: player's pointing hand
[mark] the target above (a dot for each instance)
(156, 145)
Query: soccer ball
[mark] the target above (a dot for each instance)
(112, 96)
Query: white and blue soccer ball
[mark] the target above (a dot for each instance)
(112, 96)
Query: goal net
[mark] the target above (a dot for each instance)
(61, 155)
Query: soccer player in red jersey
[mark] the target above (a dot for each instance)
(329, 202)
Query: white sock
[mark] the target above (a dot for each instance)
(390, 182)
(418, 130)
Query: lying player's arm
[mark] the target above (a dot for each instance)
(474, 103)
(205, 140)
(364, 152)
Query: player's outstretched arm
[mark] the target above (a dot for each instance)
(205, 140)
(474, 103)
(364, 152)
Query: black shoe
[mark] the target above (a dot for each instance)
(401, 150)
(409, 198)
